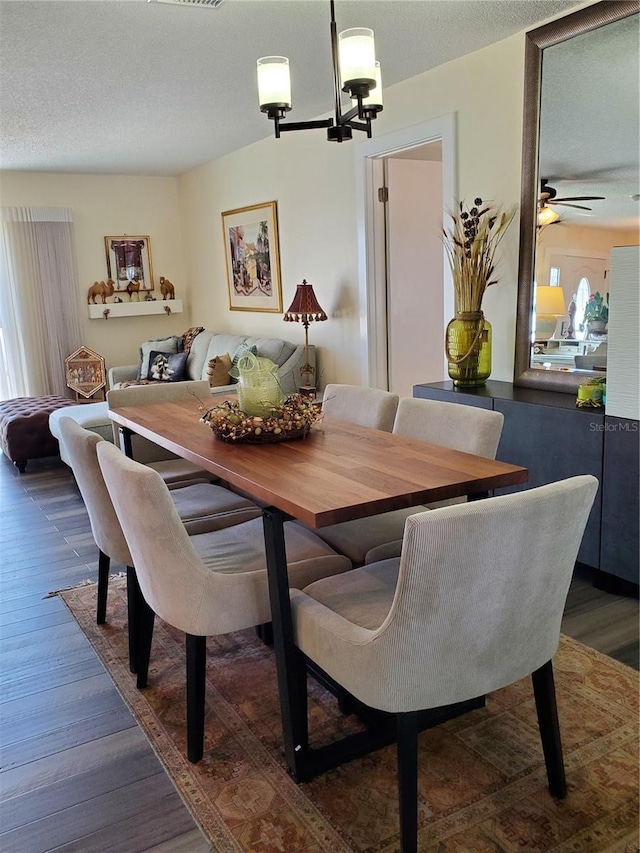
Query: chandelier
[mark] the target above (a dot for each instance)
(355, 71)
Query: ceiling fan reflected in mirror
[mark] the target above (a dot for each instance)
(548, 196)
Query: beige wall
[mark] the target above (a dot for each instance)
(106, 205)
(314, 183)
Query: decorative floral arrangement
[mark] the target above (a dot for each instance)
(293, 419)
(597, 308)
(471, 241)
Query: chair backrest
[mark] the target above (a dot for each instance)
(81, 447)
(172, 577)
(479, 598)
(368, 407)
(466, 428)
(589, 362)
(142, 395)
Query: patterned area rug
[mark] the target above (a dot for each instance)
(482, 776)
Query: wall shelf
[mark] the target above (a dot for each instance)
(134, 309)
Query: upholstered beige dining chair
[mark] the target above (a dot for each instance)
(201, 507)
(172, 468)
(467, 428)
(473, 604)
(203, 585)
(368, 407)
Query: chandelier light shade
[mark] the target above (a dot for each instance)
(274, 83)
(357, 60)
(305, 309)
(374, 98)
(355, 71)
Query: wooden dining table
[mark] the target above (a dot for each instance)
(338, 472)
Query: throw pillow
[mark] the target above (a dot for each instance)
(170, 345)
(242, 349)
(189, 337)
(167, 367)
(218, 370)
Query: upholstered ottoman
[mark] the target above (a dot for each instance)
(24, 428)
(91, 416)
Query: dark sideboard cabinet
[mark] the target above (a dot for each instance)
(546, 432)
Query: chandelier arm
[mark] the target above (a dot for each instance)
(358, 125)
(304, 125)
(345, 118)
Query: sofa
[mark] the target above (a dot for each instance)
(207, 345)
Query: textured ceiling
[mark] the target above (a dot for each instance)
(590, 123)
(130, 87)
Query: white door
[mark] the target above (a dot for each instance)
(402, 340)
(415, 313)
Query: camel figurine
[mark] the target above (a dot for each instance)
(133, 287)
(167, 289)
(101, 289)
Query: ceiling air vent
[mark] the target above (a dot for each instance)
(212, 3)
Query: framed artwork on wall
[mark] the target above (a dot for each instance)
(253, 258)
(129, 263)
(85, 373)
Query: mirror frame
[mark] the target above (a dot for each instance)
(555, 32)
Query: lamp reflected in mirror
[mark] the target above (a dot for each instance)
(549, 306)
(546, 216)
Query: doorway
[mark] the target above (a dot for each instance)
(406, 294)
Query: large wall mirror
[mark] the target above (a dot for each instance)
(580, 189)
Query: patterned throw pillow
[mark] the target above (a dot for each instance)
(167, 367)
(168, 345)
(189, 336)
(218, 370)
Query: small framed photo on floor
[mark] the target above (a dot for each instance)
(253, 258)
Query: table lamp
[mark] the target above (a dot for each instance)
(549, 306)
(305, 309)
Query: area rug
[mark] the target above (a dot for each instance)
(482, 781)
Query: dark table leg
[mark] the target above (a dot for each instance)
(290, 663)
(126, 434)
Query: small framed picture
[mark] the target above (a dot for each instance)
(129, 263)
(85, 373)
(253, 258)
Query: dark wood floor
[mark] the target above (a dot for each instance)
(77, 774)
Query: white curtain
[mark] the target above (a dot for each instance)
(39, 300)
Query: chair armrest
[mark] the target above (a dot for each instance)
(313, 623)
(126, 373)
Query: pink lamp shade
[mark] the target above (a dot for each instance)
(305, 307)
